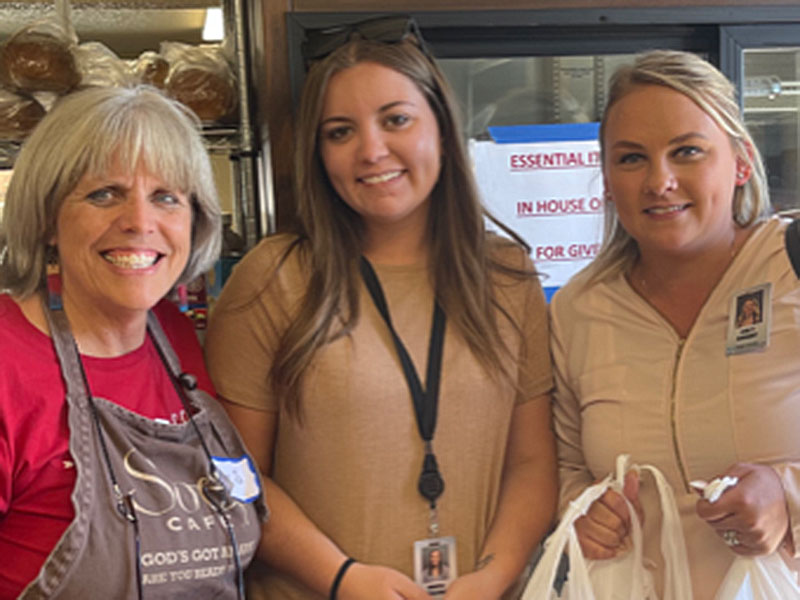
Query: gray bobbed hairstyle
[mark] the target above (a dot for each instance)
(85, 133)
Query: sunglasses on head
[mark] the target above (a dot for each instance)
(319, 43)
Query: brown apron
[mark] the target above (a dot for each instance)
(185, 547)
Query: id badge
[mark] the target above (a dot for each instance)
(435, 564)
(749, 319)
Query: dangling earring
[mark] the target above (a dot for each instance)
(53, 279)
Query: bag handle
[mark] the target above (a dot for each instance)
(564, 537)
(677, 583)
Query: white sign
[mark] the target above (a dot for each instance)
(550, 193)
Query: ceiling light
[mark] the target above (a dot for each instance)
(213, 28)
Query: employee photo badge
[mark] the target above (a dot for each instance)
(749, 319)
(435, 564)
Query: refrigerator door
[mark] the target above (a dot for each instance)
(771, 102)
(764, 62)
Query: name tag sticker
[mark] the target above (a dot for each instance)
(749, 320)
(239, 477)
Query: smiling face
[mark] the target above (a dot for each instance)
(123, 240)
(380, 145)
(435, 558)
(671, 172)
(750, 310)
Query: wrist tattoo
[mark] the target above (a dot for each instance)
(482, 562)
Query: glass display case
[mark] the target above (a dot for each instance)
(771, 102)
(530, 90)
(763, 60)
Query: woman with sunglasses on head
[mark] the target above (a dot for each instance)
(115, 463)
(388, 362)
(651, 358)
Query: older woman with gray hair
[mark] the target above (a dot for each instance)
(117, 469)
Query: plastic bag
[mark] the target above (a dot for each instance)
(151, 68)
(759, 578)
(201, 78)
(18, 115)
(100, 66)
(621, 578)
(39, 57)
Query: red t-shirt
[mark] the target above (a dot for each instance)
(37, 474)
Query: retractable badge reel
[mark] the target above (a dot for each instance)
(431, 486)
(435, 557)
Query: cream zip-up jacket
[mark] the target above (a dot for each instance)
(627, 383)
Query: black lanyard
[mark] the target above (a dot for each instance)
(426, 402)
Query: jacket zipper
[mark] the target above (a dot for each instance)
(672, 411)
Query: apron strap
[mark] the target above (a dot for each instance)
(164, 347)
(66, 351)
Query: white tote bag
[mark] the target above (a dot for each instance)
(620, 578)
(760, 578)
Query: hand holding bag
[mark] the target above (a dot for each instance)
(752, 578)
(623, 577)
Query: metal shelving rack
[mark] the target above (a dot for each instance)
(253, 195)
(253, 201)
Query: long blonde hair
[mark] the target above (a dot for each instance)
(707, 87)
(330, 232)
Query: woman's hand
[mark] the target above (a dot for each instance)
(373, 582)
(603, 531)
(752, 515)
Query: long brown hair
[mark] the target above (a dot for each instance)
(330, 232)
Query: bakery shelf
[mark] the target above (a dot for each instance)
(130, 27)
